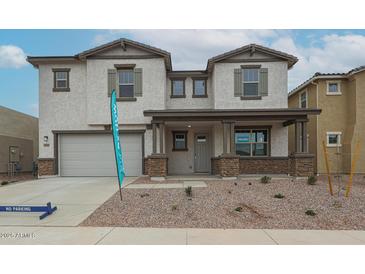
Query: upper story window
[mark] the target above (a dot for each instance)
(177, 88)
(252, 142)
(126, 83)
(303, 100)
(61, 77)
(333, 87)
(250, 82)
(199, 88)
(334, 139)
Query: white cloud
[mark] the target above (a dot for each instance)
(333, 53)
(12, 57)
(191, 49)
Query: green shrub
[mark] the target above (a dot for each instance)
(238, 209)
(144, 195)
(3, 183)
(279, 196)
(189, 191)
(310, 212)
(174, 207)
(265, 179)
(312, 180)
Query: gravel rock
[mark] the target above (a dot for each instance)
(214, 207)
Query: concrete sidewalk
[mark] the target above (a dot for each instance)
(35, 235)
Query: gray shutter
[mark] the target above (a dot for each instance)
(263, 84)
(112, 81)
(138, 82)
(237, 82)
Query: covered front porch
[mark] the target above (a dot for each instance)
(228, 142)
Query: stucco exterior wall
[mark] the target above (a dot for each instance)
(279, 140)
(189, 102)
(154, 90)
(223, 77)
(332, 119)
(61, 110)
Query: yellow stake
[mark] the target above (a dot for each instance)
(327, 167)
(353, 166)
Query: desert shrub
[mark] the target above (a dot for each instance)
(144, 195)
(174, 207)
(3, 183)
(312, 180)
(238, 209)
(229, 192)
(189, 191)
(310, 212)
(235, 183)
(265, 179)
(249, 183)
(279, 196)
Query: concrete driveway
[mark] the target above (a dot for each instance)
(75, 197)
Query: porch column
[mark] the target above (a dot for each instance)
(304, 137)
(154, 138)
(162, 132)
(233, 149)
(224, 138)
(297, 137)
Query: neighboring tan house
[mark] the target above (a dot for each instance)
(341, 124)
(231, 118)
(18, 140)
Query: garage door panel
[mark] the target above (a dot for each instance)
(93, 154)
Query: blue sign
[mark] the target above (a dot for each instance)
(115, 132)
(48, 209)
(242, 138)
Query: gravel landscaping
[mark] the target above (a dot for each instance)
(245, 203)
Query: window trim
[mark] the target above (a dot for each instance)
(267, 128)
(205, 95)
(306, 99)
(172, 87)
(338, 82)
(339, 141)
(67, 88)
(250, 97)
(174, 133)
(125, 68)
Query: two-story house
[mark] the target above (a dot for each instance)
(341, 124)
(231, 118)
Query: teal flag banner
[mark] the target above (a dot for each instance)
(116, 141)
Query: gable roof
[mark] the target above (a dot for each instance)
(320, 75)
(35, 60)
(291, 59)
(123, 42)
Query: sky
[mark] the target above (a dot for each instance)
(317, 51)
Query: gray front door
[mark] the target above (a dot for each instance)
(201, 153)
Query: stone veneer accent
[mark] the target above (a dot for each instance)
(301, 165)
(156, 165)
(298, 165)
(264, 165)
(46, 167)
(227, 165)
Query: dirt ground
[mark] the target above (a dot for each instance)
(244, 203)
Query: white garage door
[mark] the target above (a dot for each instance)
(93, 154)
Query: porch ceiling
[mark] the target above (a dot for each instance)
(288, 115)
